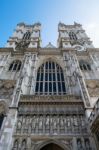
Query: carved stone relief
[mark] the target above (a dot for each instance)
(6, 89)
(51, 124)
(93, 87)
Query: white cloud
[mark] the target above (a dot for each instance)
(92, 30)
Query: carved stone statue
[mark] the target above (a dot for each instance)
(79, 145)
(23, 147)
(87, 144)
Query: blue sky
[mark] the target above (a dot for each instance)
(49, 13)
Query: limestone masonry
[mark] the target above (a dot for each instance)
(49, 96)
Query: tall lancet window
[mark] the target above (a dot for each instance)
(15, 65)
(50, 80)
(72, 36)
(27, 36)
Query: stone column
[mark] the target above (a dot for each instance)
(6, 138)
(33, 74)
(74, 143)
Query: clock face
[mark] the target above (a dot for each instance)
(79, 48)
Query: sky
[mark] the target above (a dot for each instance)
(49, 13)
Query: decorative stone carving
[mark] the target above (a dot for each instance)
(22, 45)
(50, 109)
(79, 144)
(87, 144)
(52, 124)
(93, 87)
(6, 89)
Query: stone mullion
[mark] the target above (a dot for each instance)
(48, 79)
(17, 66)
(60, 81)
(52, 77)
(13, 66)
(39, 82)
(44, 80)
(56, 80)
(16, 70)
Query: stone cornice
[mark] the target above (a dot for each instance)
(53, 99)
(92, 49)
(50, 51)
(6, 49)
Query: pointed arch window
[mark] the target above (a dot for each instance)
(15, 65)
(27, 36)
(72, 36)
(84, 66)
(50, 79)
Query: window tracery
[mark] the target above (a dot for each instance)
(72, 36)
(15, 65)
(26, 36)
(84, 66)
(50, 80)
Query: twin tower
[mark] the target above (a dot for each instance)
(29, 36)
(49, 95)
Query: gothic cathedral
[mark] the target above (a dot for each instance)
(49, 96)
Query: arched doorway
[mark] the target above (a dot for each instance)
(51, 146)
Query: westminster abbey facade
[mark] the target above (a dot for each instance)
(49, 96)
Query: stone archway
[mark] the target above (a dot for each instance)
(51, 146)
(55, 144)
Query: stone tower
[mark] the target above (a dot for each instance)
(49, 95)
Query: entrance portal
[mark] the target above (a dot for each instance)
(51, 146)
